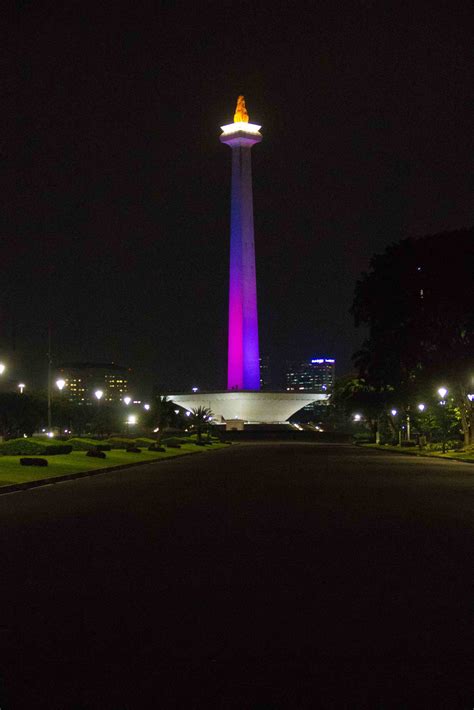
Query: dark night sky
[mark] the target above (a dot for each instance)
(116, 188)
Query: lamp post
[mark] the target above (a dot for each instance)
(442, 391)
(21, 387)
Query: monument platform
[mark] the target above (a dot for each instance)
(249, 405)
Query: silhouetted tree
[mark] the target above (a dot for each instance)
(417, 301)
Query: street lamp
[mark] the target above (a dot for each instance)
(21, 387)
(442, 392)
(60, 384)
(127, 400)
(2, 368)
(421, 407)
(99, 394)
(444, 424)
(146, 406)
(393, 412)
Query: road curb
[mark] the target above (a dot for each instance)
(15, 487)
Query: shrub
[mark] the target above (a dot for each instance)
(83, 444)
(451, 445)
(408, 444)
(96, 454)
(54, 449)
(144, 441)
(155, 447)
(174, 441)
(173, 446)
(132, 449)
(119, 442)
(33, 462)
(18, 447)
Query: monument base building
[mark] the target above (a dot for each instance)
(252, 407)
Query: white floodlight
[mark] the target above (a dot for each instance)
(99, 394)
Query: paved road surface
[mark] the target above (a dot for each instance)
(263, 576)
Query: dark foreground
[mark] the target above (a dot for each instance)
(264, 576)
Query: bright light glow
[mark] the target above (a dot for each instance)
(393, 412)
(188, 414)
(357, 417)
(21, 387)
(99, 394)
(2, 368)
(240, 126)
(329, 360)
(421, 407)
(132, 419)
(155, 431)
(50, 434)
(60, 384)
(442, 392)
(195, 389)
(319, 360)
(470, 397)
(127, 400)
(146, 406)
(176, 411)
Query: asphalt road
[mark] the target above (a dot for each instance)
(262, 576)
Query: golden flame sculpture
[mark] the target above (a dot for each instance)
(241, 115)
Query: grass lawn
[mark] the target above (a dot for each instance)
(456, 455)
(11, 471)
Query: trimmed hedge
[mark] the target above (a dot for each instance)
(132, 449)
(155, 447)
(82, 444)
(27, 447)
(19, 447)
(53, 449)
(96, 454)
(144, 441)
(33, 462)
(119, 442)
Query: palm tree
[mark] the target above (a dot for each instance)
(162, 414)
(200, 418)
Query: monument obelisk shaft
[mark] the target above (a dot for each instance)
(243, 351)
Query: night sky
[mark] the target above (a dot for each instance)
(116, 188)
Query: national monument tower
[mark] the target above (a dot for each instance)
(243, 400)
(243, 369)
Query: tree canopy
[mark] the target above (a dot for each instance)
(417, 302)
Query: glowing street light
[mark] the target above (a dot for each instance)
(357, 417)
(132, 419)
(127, 400)
(99, 394)
(442, 392)
(195, 389)
(146, 406)
(60, 384)
(393, 412)
(21, 387)
(2, 368)
(421, 407)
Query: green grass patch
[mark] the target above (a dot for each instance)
(458, 455)
(11, 471)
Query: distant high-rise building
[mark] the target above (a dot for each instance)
(315, 375)
(265, 376)
(83, 379)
